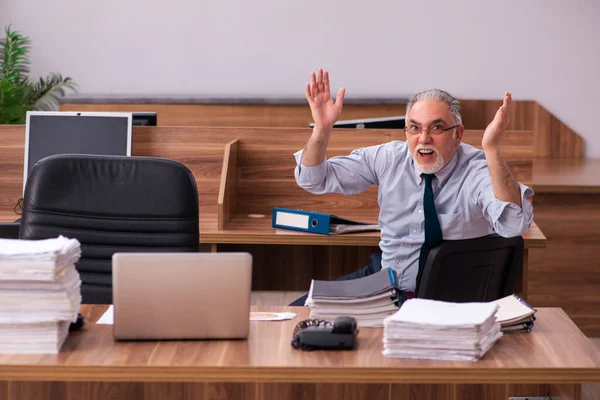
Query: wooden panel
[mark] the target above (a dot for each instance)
(477, 114)
(273, 264)
(567, 273)
(428, 392)
(553, 138)
(590, 392)
(267, 391)
(228, 185)
(12, 143)
(555, 352)
(566, 392)
(482, 392)
(126, 391)
(273, 115)
(210, 391)
(351, 392)
(267, 168)
(286, 391)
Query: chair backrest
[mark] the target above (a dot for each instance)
(111, 204)
(482, 269)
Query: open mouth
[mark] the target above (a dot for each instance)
(426, 154)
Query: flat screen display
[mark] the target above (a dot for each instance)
(50, 133)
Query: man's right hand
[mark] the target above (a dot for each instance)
(325, 111)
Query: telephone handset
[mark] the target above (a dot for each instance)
(312, 334)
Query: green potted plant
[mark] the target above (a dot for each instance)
(18, 93)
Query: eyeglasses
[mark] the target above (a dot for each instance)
(432, 130)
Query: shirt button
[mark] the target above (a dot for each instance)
(414, 231)
(420, 211)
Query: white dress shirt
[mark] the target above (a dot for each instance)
(464, 199)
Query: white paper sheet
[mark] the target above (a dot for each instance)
(108, 317)
(271, 316)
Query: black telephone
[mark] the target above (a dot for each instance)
(312, 334)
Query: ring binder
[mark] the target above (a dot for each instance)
(315, 222)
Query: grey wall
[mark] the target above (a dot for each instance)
(545, 50)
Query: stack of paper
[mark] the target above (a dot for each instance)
(514, 314)
(369, 299)
(439, 330)
(40, 293)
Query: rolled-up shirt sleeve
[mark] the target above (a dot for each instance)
(349, 174)
(507, 218)
(310, 178)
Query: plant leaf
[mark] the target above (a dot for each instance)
(46, 93)
(18, 93)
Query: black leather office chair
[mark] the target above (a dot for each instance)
(111, 204)
(481, 269)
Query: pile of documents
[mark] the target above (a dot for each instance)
(370, 299)
(440, 330)
(514, 314)
(40, 293)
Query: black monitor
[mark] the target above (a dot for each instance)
(372, 123)
(144, 119)
(50, 133)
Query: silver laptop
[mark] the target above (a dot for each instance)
(181, 295)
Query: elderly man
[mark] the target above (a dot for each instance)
(431, 187)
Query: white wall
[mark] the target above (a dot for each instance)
(545, 50)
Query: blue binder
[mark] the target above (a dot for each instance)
(315, 222)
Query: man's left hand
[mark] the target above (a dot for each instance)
(495, 130)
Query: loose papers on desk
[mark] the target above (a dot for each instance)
(40, 293)
(369, 299)
(440, 330)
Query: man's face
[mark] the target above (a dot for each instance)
(433, 148)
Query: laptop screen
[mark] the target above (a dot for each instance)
(50, 133)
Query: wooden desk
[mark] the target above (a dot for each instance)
(258, 230)
(567, 209)
(555, 358)
(580, 175)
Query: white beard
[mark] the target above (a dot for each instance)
(429, 168)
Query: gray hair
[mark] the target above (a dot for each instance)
(440, 95)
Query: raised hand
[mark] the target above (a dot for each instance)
(496, 128)
(325, 111)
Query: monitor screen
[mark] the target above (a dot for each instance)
(144, 119)
(371, 123)
(50, 133)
